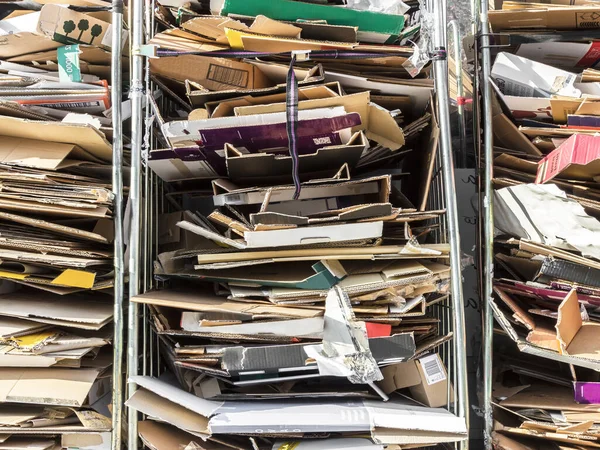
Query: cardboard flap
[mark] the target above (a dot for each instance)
(84, 136)
(168, 411)
(383, 129)
(569, 320)
(161, 436)
(212, 27)
(204, 408)
(265, 25)
(507, 135)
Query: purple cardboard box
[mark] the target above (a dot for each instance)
(586, 392)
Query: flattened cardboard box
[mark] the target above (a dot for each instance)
(57, 310)
(378, 123)
(86, 137)
(258, 168)
(292, 237)
(300, 275)
(71, 27)
(568, 18)
(214, 74)
(226, 107)
(40, 154)
(271, 76)
(374, 189)
(58, 387)
(212, 303)
(204, 417)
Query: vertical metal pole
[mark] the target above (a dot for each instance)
(137, 133)
(488, 225)
(460, 93)
(440, 66)
(117, 189)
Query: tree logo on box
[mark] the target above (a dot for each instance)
(83, 26)
(95, 31)
(68, 27)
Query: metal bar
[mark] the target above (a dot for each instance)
(117, 189)
(460, 93)
(488, 226)
(137, 127)
(440, 65)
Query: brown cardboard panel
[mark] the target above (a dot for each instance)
(244, 40)
(577, 338)
(374, 189)
(379, 252)
(272, 80)
(86, 137)
(551, 397)
(518, 313)
(226, 107)
(177, 39)
(162, 436)
(567, 439)
(59, 387)
(57, 310)
(515, 163)
(212, 28)
(17, 44)
(156, 406)
(58, 228)
(502, 442)
(506, 134)
(568, 18)
(206, 302)
(40, 154)
(214, 74)
(264, 25)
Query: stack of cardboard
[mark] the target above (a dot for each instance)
(56, 266)
(299, 292)
(546, 214)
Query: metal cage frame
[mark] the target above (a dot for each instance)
(483, 49)
(149, 197)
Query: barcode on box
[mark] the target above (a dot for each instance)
(227, 75)
(233, 197)
(433, 369)
(72, 104)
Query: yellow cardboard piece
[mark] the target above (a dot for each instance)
(76, 278)
(32, 341)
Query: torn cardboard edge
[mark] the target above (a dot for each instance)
(532, 349)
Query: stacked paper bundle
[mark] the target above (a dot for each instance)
(548, 244)
(299, 293)
(55, 226)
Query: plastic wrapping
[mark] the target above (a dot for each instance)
(421, 57)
